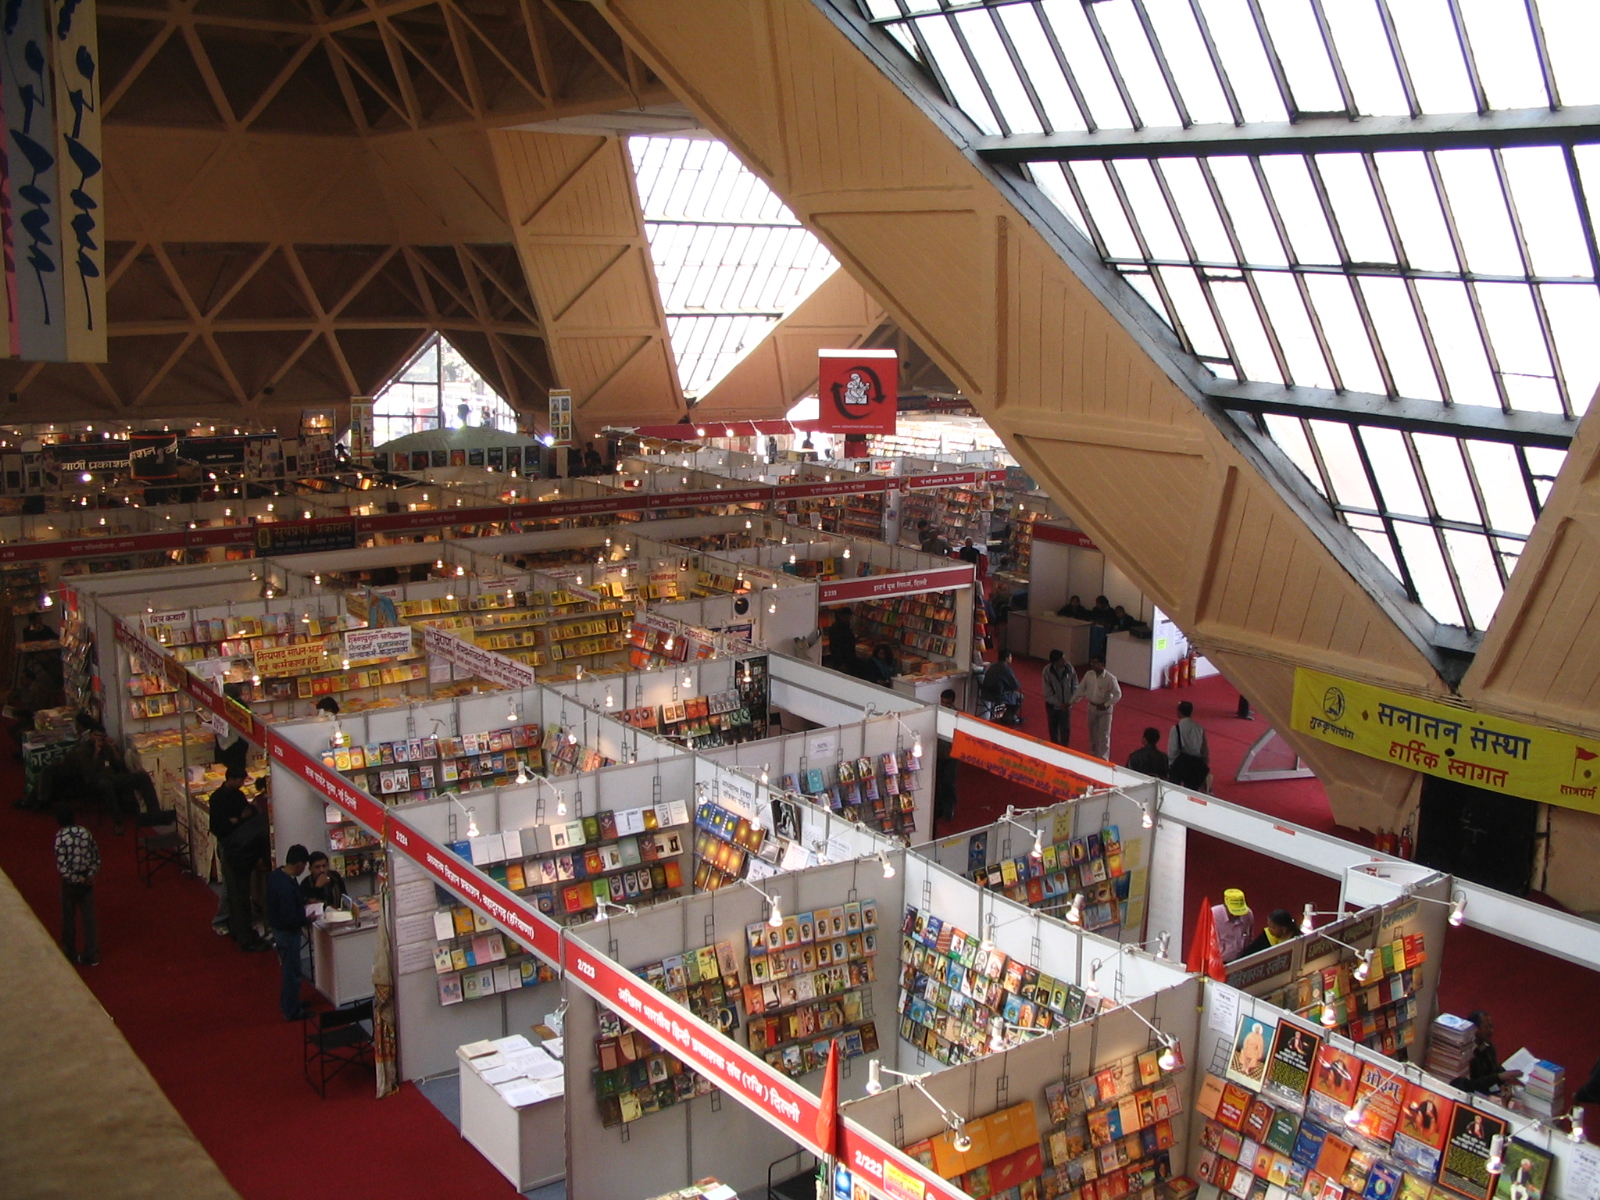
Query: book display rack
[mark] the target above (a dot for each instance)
(637, 1076)
(77, 661)
(1067, 866)
(1290, 1110)
(877, 791)
(416, 768)
(723, 844)
(474, 961)
(538, 628)
(809, 983)
(1379, 1010)
(1111, 1131)
(958, 513)
(622, 856)
(860, 516)
(952, 986)
(920, 627)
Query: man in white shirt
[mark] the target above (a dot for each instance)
(1101, 690)
(1188, 752)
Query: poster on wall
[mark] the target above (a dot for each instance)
(34, 275)
(858, 391)
(1466, 1159)
(560, 417)
(361, 431)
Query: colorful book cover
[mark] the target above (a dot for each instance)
(1424, 1126)
(1247, 1065)
(1333, 1083)
(1466, 1156)
(1526, 1174)
(1294, 1054)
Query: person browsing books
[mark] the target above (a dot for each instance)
(1484, 1074)
(322, 884)
(286, 917)
(234, 825)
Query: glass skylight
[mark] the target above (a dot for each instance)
(731, 260)
(1461, 277)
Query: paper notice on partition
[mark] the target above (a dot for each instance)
(1224, 1009)
(414, 929)
(414, 958)
(414, 897)
(1581, 1166)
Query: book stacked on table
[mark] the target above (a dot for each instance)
(1544, 1084)
(1450, 1044)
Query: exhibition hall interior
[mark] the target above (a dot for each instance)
(797, 599)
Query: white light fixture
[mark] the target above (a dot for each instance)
(1364, 969)
(1037, 852)
(1075, 910)
(511, 714)
(874, 1077)
(1497, 1154)
(561, 804)
(572, 738)
(1163, 944)
(888, 867)
(775, 917)
(960, 1143)
(1330, 1018)
(1458, 909)
(1092, 988)
(611, 701)
(1357, 1114)
(522, 773)
(1575, 1125)
(1147, 819)
(1308, 923)
(847, 551)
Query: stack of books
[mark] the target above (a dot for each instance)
(1450, 1044)
(1544, 1084)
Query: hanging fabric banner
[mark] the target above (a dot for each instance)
(81, 247)
(35, 269)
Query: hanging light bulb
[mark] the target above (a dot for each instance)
(1308, 922)
(472, 823)
(522, 773)
(874, 1077)
(1575, 1125)
(1147, 819)
(1092, 988)
(688, 680)
(1364, 968)
(916, 745)
(997, 1038)
(1038, 845)
(561, 804)
(847, 551)
(572, 738)
(1167, 1060)
(511, 714)
(1075, 910)
(1458, 909)
(775, 918)
(888, 867)
(960, 1143)
(763, 776)
(611, 701)
(1330, 1018)
(1497, 1154)
(1163, 944)
(346, 665)
(772, 606)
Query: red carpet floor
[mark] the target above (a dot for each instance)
(1529, 993)
(204, 1018)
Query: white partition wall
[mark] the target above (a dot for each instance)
(708, 1135)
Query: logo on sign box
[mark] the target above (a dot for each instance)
(857, 391)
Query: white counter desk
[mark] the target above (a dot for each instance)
(341, 960)
(1047, 632)
(522, 1129)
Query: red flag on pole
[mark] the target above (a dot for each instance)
(828, 1109)
(1205, 948)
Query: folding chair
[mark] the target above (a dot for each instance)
(157, 843)
(335, 1039)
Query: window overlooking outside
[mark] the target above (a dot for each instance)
(1337, 278)
(438, 389)
(731, 260)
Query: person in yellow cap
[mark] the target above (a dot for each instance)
(1236, 924)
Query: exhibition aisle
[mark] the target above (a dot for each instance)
(203, 1017)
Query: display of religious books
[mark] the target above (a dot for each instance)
(1090, 866)
(952, 985)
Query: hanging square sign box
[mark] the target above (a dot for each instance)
(858, 391)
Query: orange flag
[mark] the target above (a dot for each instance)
(828, 1109)
(1205, 949)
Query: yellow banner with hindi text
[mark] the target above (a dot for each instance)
(1449, 741)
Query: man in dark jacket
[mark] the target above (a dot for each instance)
(1484, 1074)
(237, 825)
(286, 917)
(842, 642)
(1148, 759)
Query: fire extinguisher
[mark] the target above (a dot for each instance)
(1384, 841)
(1406, 847)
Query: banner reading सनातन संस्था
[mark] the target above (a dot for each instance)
(1449, 741)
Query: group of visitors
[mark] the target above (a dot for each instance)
(260, 907)
(1111, 618)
